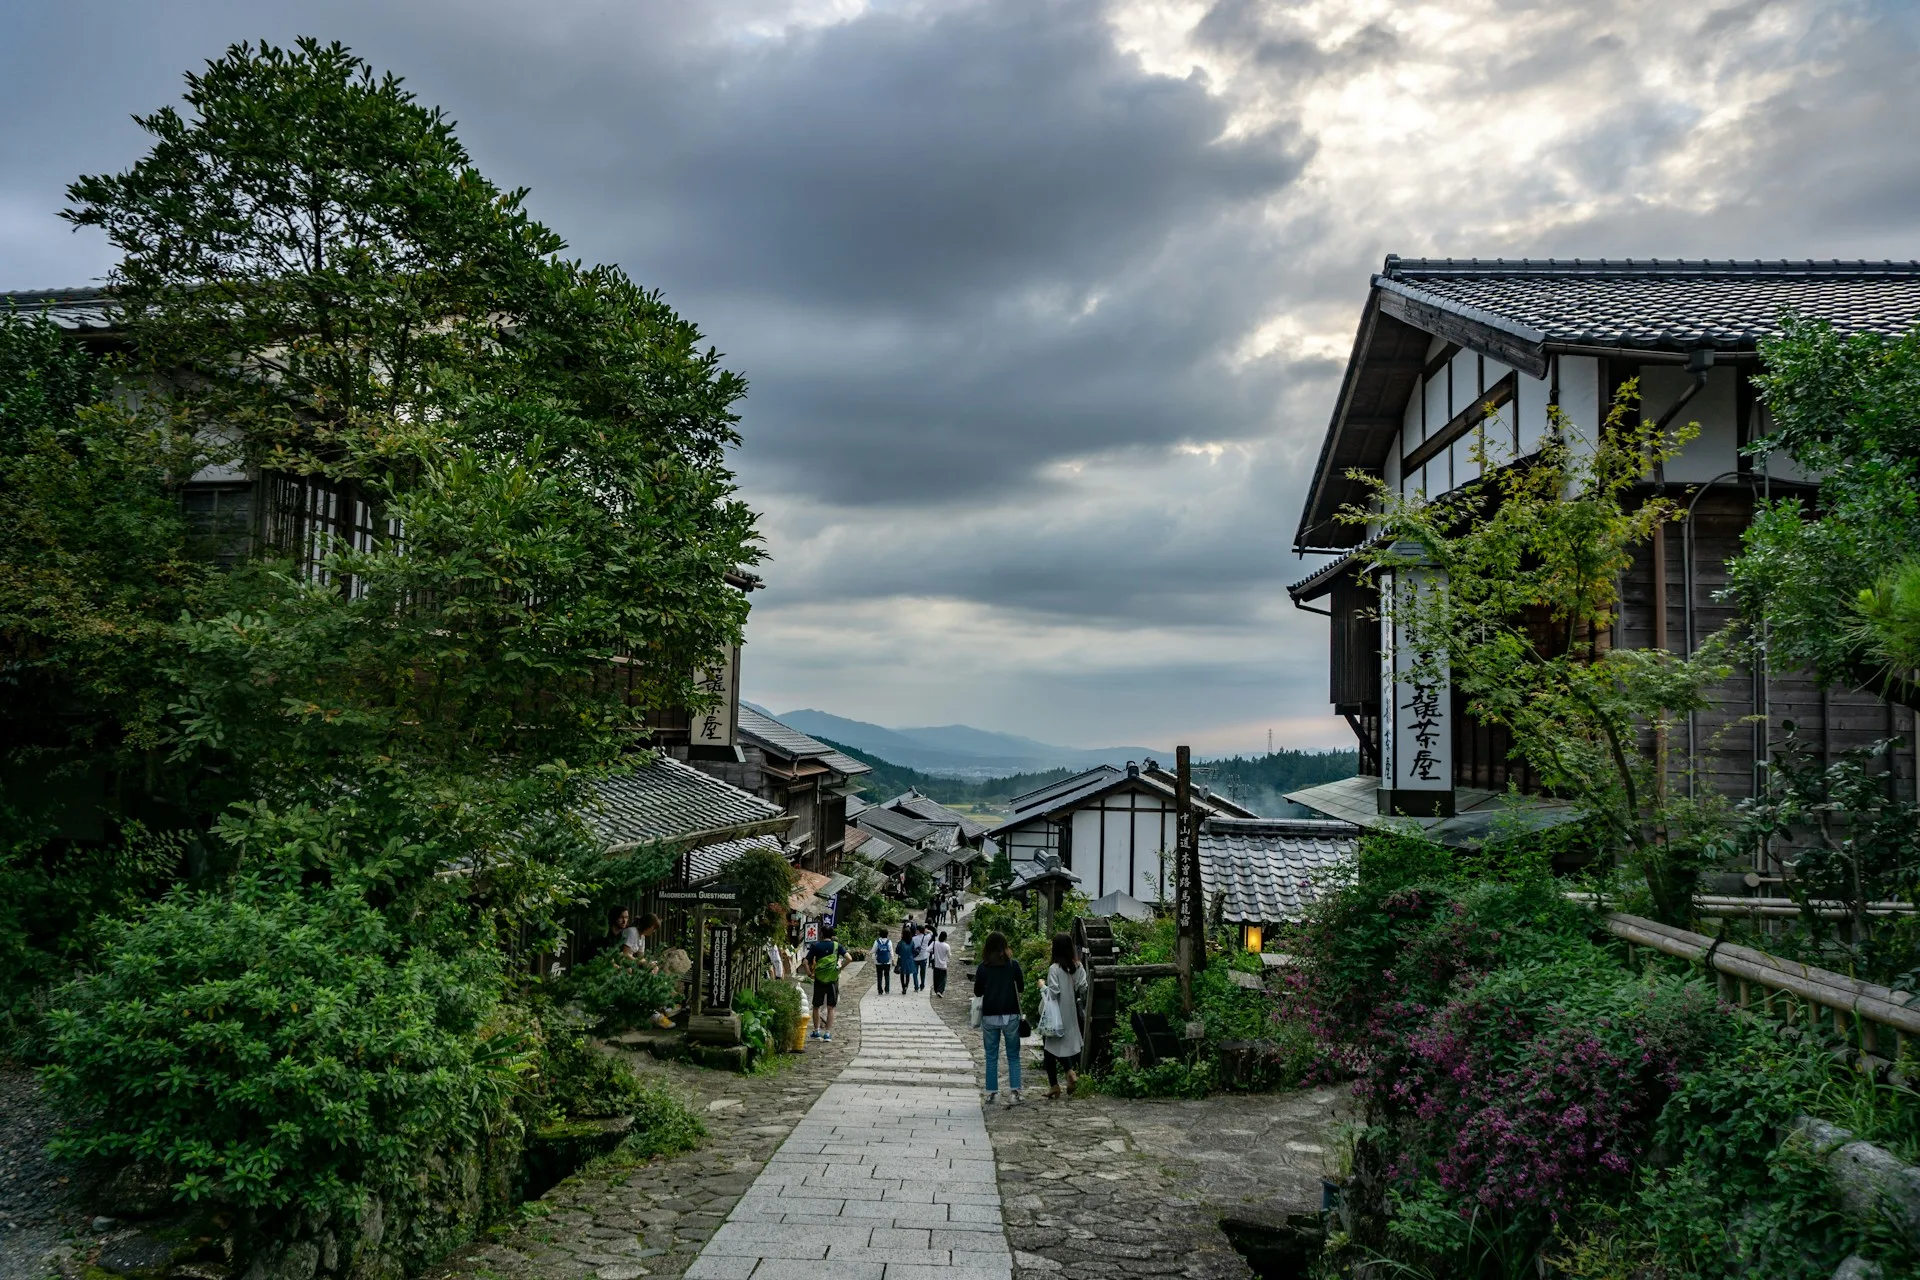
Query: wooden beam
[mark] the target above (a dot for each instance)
(1500, 393)
(1507, 348)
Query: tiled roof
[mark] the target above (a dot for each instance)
(1672, 304)
(1270, 870)
(665, 801)
(935, 861)
(933, 811)
(82, 310)
(1097, 782)
(892, 853)
(709, 860)
(1207, 799)
(1040, 795)
(789, 741)
(898, 825)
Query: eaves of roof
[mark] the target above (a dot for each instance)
(666, 802)
(1479, 815)
(1093, 790)
(1039, 795)
(1524, 312)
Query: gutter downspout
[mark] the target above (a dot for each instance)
(1686, 614)
(1699, 361)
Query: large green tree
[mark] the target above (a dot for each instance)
(395, 726)
(1837, 579)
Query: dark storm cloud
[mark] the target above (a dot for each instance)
(958, 244)
(995, 277)
(906, 163)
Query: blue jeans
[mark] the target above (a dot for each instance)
(995, 1028)
(919, 975)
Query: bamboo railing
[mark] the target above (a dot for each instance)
(1883, 1019)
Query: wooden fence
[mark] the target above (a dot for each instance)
(1879, 1019)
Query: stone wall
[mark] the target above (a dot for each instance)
(453, 1195)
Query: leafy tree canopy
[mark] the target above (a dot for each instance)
(1838, 581)
(1531, 560)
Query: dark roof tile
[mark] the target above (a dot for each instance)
(1666, 303)
(1271, 870)
(665, 801)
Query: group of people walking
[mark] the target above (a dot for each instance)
(997, 986)
(920, 949)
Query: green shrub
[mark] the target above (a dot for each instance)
(756, 1023)
(581, 1082)
(783, 1001)
(663, 1125)
(618, 992)
(1162, 1080)
(277, 1047)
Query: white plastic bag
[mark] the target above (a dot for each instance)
(1052, 1025)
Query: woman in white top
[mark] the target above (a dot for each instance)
(1067, 984)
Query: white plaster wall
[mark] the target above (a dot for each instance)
(1715, 449)
(1580, 400)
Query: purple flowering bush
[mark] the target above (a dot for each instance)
(1530, 1100)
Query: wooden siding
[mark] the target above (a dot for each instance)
(1733, 737)
(1354, 671)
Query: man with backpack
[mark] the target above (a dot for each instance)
(823, 962)
(883, 962)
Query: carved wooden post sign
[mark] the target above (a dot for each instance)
(1416, 691)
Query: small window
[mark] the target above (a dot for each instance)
(220, 521)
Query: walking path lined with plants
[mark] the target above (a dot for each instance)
(621, 1220)
(889, 1177)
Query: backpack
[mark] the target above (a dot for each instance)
(883, 953)
(826, 967)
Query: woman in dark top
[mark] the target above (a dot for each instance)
(903, 958)
(997, 982)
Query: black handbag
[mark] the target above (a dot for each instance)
(1026, 1028)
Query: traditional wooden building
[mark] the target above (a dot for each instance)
(1441, 340)
(960, 841)
(1110, 827)
(808, 779)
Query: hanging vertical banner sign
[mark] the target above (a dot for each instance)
(714, 726)
(832, 914)
(1416, 699)
(719, 992)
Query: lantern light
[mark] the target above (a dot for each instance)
(1251, 937)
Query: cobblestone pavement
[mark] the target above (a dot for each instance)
(653, 1219)
(889, 1177)
(1097, 1187)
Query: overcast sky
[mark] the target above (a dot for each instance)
(1043, 302)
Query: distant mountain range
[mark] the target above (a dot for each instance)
(958, 750)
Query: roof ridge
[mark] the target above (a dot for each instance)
(1399, 268)
(84, 293)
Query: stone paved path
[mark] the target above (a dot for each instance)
(652, 1219)
(1097, 1187)
(890, 1176)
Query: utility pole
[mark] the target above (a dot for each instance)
(1269, 742)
